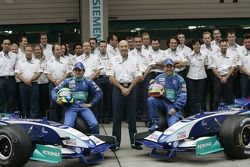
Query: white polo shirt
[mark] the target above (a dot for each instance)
(144, 58)
(112, 51)
(196, 64)
(176, 56)
(149, 48)
(185, 50)
(43, 78)
(124, 70)
(209, 51)
(47, 51)
(245, 58)
(158, 57)
(28, 68)
(7, 64)
(91, 64)
(235, 49)
(105, 61)
(57, 68)
(223, 63)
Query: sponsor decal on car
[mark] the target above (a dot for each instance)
(154, 136)
(96, 140)
(181, 135)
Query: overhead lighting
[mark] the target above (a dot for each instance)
(192, 27)
(138, 29)
(246, 27)
(9, 32)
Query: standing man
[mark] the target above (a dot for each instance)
(47, 48)
(174, 100)
(93, 45)
(80, 88)
(145, 61)
(146, 41)
(217, 38)
(185, 50)
(28, 70)
(103, 82)
(112, 48)
(23, 42)
(7, 77)
(223, 65)
(56, 71)
(124, 74)
(180, 60)
(130, 41)
(245, 68)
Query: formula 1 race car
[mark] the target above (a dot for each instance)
(43, 140)
(205, 133)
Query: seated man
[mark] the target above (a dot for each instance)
(80, 87)
(173, 101)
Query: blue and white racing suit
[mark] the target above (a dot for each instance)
(81, 88)
(175, 98)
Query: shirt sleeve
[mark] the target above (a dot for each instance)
(181, 95)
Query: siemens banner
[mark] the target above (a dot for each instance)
(96, 19)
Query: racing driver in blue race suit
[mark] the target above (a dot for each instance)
(174, 99)
(80, 88)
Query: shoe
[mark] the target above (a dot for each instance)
(136, 147)
(114, 148)
(154, 125)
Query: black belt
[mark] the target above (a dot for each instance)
(125, 85)
(6, 77)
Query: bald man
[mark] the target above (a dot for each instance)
(124, 73)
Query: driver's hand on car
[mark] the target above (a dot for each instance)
(172, 111)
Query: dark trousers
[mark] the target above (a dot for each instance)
(245, 85)
(44, 103)
(30, 100)
(56, 110)
(196, 95)
(7, 94)
(105, 105)
(210, 90)
(127, 103)
(223, 91)
(18, 102)
(141, 98)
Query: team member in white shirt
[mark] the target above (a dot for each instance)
(209, 50)
(112, 48)
(78, 52)
(196, 79)
(234, 48)
(223, 65)
(130, 41)
(23, 42)
(145, 61)
(245, 67)
(217, 38)
(105, 107)
(93, 46)
(185, 50)
(146, 42)
(90, 61)
(47, 48)
(124, 73)
(28, 71)
(178, 57)
(7, 77)
(56, 71)
(158, 57)
(43, 82)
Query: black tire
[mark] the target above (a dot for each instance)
(82, 125)
(15, 146)
(234, 137)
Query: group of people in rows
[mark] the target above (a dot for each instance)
(112, 79)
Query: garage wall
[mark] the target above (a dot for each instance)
(38, 11)
(177, 9)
